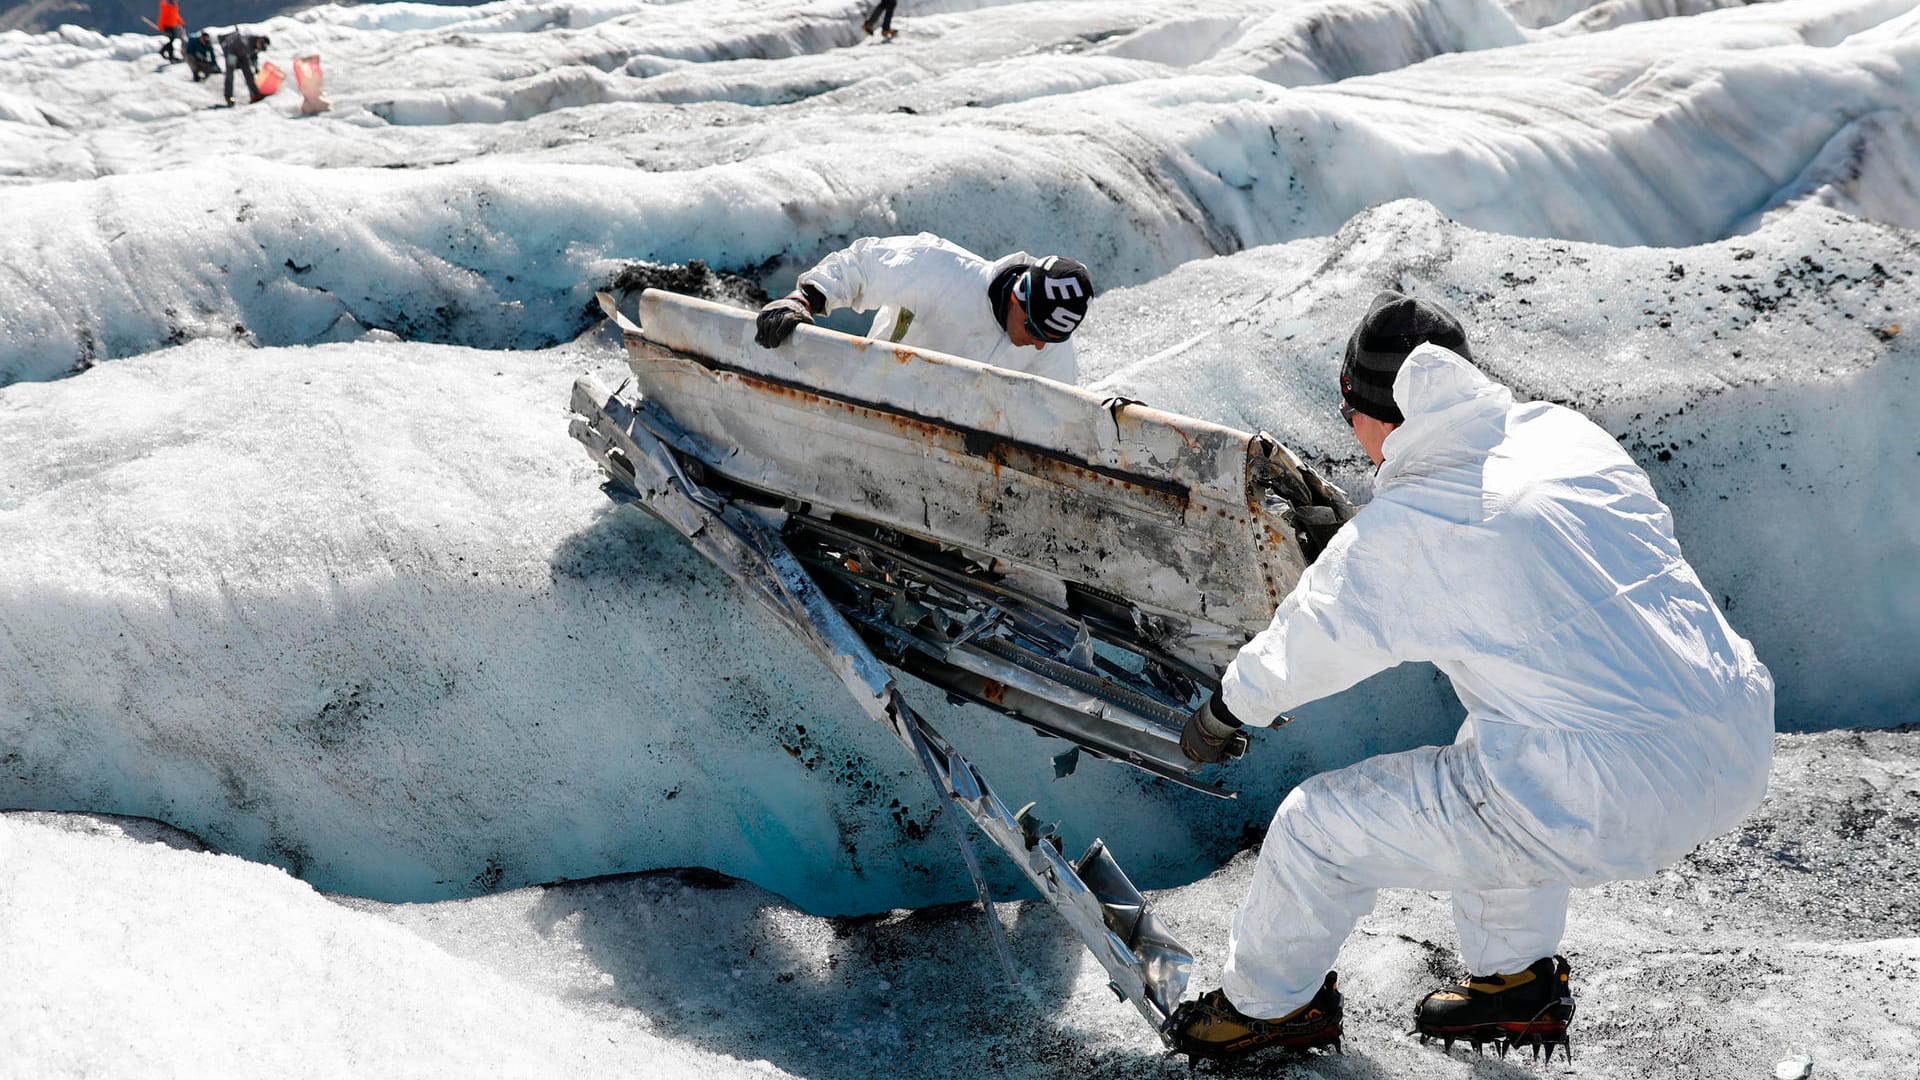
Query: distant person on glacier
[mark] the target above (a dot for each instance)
(882, 16)
(1614, 719)
(243, 53)
(937, 295)
(173, 26)
(202, 60)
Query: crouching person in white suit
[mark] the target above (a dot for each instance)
(1614, 720)
(936, 295)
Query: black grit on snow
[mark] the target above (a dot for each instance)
(1794, 936)
(692, 278)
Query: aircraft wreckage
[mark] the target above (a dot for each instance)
(1086, 567)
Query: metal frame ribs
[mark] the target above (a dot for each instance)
(1145, 963)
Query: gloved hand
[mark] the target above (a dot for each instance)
(1212, 734)
(778, 319)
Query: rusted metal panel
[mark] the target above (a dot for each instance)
(1188, 520)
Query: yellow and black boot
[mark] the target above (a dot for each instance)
(1531, 1008)
(1212, 1028)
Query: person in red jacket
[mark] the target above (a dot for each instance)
(172, 25)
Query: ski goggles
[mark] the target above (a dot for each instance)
(1022, 288)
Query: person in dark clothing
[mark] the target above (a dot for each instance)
(202, 61)
(882, 14)
(243, 52)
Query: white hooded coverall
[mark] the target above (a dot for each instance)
(1614, 720)
(932, 294)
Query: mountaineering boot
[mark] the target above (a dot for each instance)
(1212, 1028)
(1531, 1008)
(888, 33)
(868, 27)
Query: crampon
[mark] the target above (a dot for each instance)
(1532, 1009)
(1540, 1036)
(1211, 1029)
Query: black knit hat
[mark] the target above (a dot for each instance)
(1054, 292)
(1394, 325)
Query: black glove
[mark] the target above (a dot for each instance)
(1212, 734)
(778, 319)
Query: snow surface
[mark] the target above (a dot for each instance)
(300, 559)
(1790, 938)
(533, 155)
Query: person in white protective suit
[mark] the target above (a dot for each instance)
(1014, 312)
(1614, 719)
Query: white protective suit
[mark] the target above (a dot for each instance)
(932, 294)
(1614, 720)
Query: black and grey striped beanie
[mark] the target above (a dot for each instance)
(1393, 326)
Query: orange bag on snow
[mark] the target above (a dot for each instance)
(270, 79)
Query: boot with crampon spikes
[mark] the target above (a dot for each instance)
(1532, 1008)
(1211, 1029)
